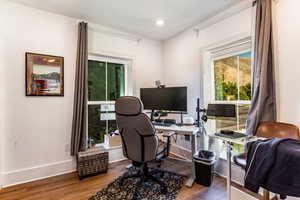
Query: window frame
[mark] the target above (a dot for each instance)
(222, 48)
(107, 59)
(213, 95)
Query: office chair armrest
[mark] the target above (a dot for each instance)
(168, 134)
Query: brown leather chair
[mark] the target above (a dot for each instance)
(270, 130)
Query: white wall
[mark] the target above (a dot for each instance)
(288, 31)
(2, 89)
(182, 53)
(146, 55)
(288, 27)
(37, 129)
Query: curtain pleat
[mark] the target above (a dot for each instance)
(263, 104)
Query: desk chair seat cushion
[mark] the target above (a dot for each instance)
(240, 160)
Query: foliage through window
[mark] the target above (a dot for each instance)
(232, 84)
(106, 82)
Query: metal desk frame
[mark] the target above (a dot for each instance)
(229, 142)
(192, 131)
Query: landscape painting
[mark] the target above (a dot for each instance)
(44, 75)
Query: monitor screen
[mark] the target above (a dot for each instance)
(221, 110)
(168, 99)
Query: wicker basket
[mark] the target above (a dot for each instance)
(92, 162)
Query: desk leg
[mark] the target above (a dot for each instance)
(228, 170)
(191, 180)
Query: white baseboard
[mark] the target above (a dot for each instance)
(1, 180)
(115, 161)
(17, 177)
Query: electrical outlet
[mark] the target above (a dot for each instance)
(67, 148)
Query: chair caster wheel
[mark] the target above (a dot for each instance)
(162, 175)
(164, 190)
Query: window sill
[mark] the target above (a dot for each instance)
(106, 147)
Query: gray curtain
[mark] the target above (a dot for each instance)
(263, 105)
(78, 140)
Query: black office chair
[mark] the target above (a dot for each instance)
(140, 144)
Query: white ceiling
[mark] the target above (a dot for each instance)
(137, 16)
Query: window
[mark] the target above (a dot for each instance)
(106, 82)
(232, 84)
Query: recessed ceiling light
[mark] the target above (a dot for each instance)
(160, 22)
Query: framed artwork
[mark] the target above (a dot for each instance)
(44, 75)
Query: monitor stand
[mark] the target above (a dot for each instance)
(152, 115)
(181, 120)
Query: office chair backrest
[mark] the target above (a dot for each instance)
(278, 130)
(137, 132)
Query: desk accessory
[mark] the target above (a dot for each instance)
(200, 111)
(161, 124)
(227, 132)
(234, 135)
(170, 121)
(112, 140)
(188, 121)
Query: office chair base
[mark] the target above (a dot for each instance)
(145, 176)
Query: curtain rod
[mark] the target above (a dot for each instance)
(255, 1)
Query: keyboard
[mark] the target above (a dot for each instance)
(162, 124)
(235, 135)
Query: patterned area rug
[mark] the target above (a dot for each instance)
(148, 191)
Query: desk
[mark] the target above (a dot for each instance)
(185, 130)
(229, 142)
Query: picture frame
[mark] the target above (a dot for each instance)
(44, 75)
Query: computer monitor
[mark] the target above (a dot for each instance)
(173, 99)
(221, 110)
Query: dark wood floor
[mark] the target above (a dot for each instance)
(69, 187)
